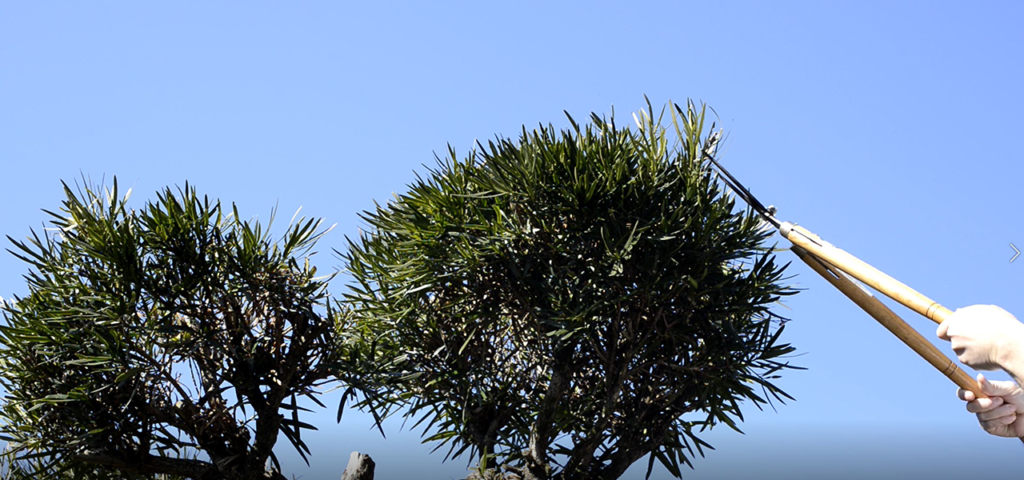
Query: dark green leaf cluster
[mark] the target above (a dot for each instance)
(557, 304)
(149, 332)
(42, 469)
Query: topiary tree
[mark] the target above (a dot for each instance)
(164, 341)
(564, 304)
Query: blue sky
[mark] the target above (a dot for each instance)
(889, 128)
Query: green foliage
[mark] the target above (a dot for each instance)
(38, 469)
(556, 305)
(150, 333)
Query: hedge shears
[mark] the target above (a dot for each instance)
(842, 270)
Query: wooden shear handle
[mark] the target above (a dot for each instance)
(860, 270)
(874, 307)
(891, 322)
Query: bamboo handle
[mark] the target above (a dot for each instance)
(864, 272)
(891, 321)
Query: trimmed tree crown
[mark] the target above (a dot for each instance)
(569, 302)
(151, 335)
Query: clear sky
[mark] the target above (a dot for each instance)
(889, 128)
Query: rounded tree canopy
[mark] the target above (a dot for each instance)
(150, 336)
(568, 302)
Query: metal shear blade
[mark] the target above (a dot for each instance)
(768, 213)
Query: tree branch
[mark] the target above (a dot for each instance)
(537, 462)
(152, 464)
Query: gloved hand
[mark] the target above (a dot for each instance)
(984, 337)
(1002, 414)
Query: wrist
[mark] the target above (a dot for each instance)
(1011, 356)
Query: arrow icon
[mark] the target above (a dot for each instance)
(1015, 254)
